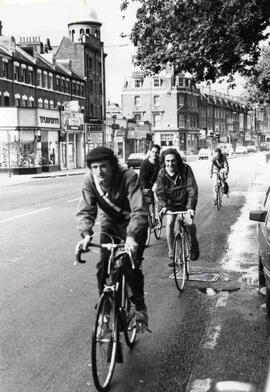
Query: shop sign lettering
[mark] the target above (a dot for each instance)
(48, 120)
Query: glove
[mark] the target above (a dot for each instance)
(191, 213)
(131, 244)
(163, 211)
(85, 241)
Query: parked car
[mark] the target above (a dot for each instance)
(264, 147)
(251, 148)
(135, 159)
(241, 150)
(263, 218)
(204, 153)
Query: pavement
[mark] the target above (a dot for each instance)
(236, 340)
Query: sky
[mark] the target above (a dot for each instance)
(49, 19)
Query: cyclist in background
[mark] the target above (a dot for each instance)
(177, 190)
(219, 166)
(117, 192)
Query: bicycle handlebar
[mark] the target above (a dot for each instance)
(109, 246)
(176, 212)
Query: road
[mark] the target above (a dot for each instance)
(47, 303)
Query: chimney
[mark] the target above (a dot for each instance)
(1, 28)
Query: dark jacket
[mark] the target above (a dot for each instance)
(180, 192)
(148, 173)
(218, 164)
(125, 193)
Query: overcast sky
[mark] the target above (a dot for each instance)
(49, 19)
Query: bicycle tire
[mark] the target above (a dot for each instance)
(130, 330)
(187, 252)
(179, 265)
(104, 343)
(147, 242)
(158, 229)
(218, 203)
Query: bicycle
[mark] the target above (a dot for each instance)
(219, 192)
(181, 250)
(115, 316)
(154, 220)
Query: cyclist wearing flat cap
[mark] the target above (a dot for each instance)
(116, 191)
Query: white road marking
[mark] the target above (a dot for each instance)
(222, 299)
(23, 215)
(201, 385)
(212, 337)
(72, 200)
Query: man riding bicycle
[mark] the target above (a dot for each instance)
(149, 171)
(219, 167)
(116, 191)
(177, 190)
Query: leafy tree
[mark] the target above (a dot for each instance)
(258, 85)
(208, 38)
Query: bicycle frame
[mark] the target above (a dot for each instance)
(219, 192)
(155, 223)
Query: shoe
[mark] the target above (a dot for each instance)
(170, 263)
(195, 251)
(141, 320)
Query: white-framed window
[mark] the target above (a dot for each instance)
(40, 103)
(138, 117)
(5, 67)
(156, 119)
(156, 82)
(23, 73)
(138, 82)
(31, 102)
(51, 104)
(50, 81)
(166, 139)
(17, 99)
(24, 101)
(181, 120)
(156, 100)
(137, 100)
(39, 77)
(46, 104)
(16, 71)
(30, 75)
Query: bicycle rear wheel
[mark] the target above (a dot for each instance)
(218, 201)
(104, 343)
(148, 232)
(130, 330)
(179, 264)
(158, 229)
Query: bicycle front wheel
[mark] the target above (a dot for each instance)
(179, 262)
(158, 229)
(104, 343)
(130, 329)
(148, 234)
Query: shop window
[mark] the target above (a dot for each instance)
(5, 69)
(166, 139)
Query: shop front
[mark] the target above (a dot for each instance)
(20, 147)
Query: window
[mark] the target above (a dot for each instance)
(46, 104)
(17, 101)
(38, 77)
(73, 88)
(57, 83)
(51, 105)
(50, 84)
(156, 82)
(30, 76)
(179, 81)
(138, 83)
(166, 139)
(63, 84)
(40, 103)
(90, 62)
(24, 101)
(91, 86)
(156, 100)
(6, 100)
(78, 88)
(181, 120)
(156, 120)
(5, 68)
(23, 74)
(67, 86)
(137, 100)
(16, 72)
(138, 117)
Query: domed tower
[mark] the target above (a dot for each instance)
(85, 24)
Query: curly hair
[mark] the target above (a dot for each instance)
(174, 152)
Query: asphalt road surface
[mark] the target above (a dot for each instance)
(47, 303)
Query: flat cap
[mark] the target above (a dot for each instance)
(99, 154)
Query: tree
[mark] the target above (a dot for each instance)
(258, 85)
(208, 38)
